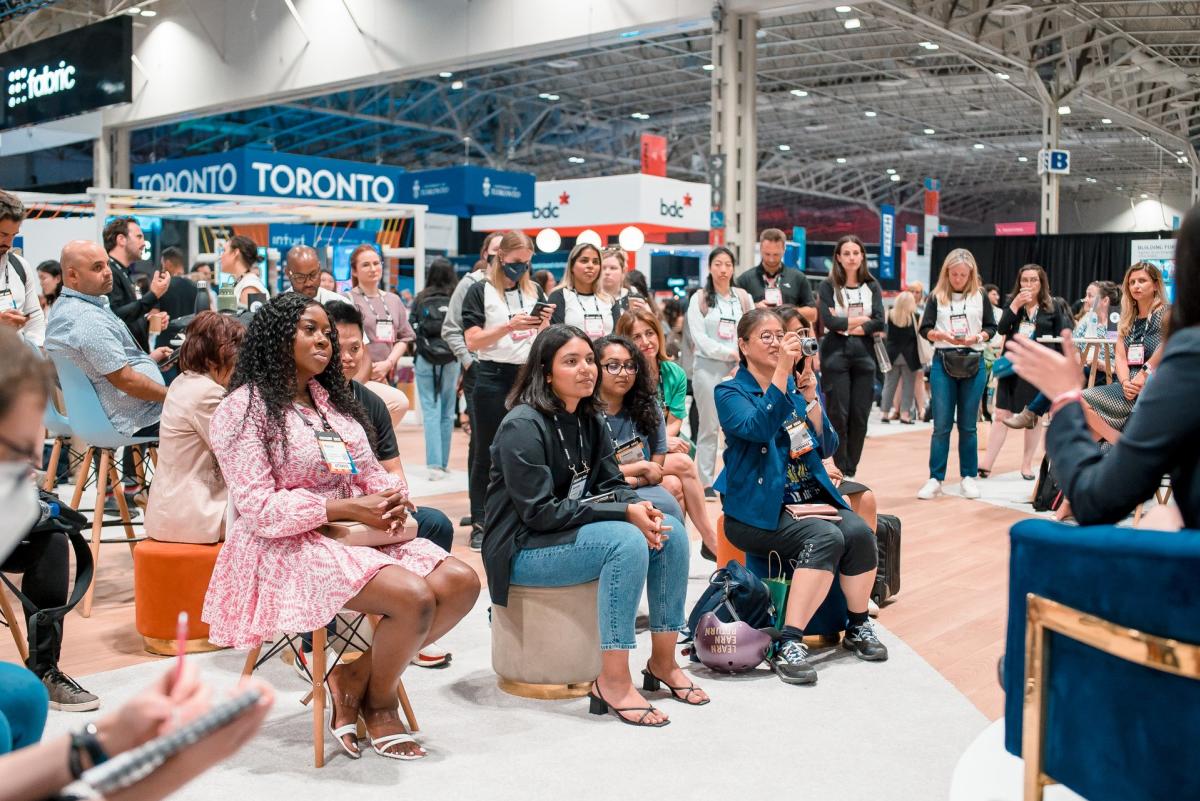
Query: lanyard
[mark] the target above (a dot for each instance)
(562, 441)
(733, 306)
(520, 300)
(595, 303)
(383, 313)
(304, 417)
(771, 281)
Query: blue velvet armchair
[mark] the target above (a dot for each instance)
(1108, 727)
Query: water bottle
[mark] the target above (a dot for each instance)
(1092, 320)
(203, 301)
(226, 300)
(881, 354)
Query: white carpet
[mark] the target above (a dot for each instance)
(892, 730)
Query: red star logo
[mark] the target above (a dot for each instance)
(564, 199)
(687, 200)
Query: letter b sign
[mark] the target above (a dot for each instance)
(1054, 161)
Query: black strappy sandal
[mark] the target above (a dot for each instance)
(599, 707)
(650, 683)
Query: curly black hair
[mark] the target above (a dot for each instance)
(641, 401)
(267, 364)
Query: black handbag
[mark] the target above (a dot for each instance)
(961, 362)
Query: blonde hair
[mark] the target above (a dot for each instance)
(509, 242)
(904, 312)
(942, 289)
(1129, 306)
(568, 279)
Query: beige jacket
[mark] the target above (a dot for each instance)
(187, 495)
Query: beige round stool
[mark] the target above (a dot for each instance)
(546, 642)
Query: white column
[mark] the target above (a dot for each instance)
(120, 165)
(1048, 215)
(734, 129)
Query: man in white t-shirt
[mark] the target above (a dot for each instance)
(20, 308)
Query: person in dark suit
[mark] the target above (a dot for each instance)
(180, 297)
(123, 240)
(1160, 437)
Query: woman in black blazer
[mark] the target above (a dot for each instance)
(906, 359)
(1032, 313)
(560, 513)
(1162, 432)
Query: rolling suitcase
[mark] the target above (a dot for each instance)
(887, 579)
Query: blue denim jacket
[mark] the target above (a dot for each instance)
(757, 447)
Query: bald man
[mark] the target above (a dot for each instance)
(303, 269)
(81, 325)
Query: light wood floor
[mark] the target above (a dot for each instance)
(951, 609)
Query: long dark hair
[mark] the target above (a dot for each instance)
(532, 386)
(1185, 311)
(440, 279)
(641, 401)
(837, 273)
(710, 291)
(267, 364)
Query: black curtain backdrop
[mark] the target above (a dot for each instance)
(1071, 260)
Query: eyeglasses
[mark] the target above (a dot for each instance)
(771, 337)
(304, 278)
(616, 368)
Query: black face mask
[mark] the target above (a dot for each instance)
(514, 270)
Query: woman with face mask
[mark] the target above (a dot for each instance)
(579, 300)
(501, 316)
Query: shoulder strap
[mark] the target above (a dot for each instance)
(20, 268)
(744, 297)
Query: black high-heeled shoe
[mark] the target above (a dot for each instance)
(598, 706)
(984, 473)
(652, 683)
(705, 553)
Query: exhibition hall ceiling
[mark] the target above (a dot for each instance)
(856, 103)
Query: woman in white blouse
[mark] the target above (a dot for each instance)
(711, 331)
(239, 260)
(579, 300)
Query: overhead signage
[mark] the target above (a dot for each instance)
(68, 74)
(467, 190)
(887, 239)
(654, 154)
(1055, 162)
(662, 203)
(1027, 228)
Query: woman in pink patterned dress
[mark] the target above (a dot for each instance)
(277, 572)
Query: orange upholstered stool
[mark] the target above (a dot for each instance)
(725, 549)
(169, 578)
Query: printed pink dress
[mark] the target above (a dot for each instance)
(277, 573)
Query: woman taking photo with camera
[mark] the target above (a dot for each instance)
(778, 497)
(958, 321)
(501, 315)
(851, 307)
(579, 300)
(560, 513)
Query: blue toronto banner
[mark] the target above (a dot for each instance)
(887, 239)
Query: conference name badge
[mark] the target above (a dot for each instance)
(385, 330)
(335, 453)
(593, 325)
(630, 452)
(800, 439)
(1135, 355)
(727, 328)
(7, 301)
(958, 325)
(578, 485)
(774, 296)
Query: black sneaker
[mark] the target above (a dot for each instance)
(477, 539)
(466, 521)
(791, 663)
(865, 644)
(66, 695)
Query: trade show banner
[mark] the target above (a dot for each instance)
(654, 155)
(467, 190)
(1160, 253)
(887, 242)
(1017, 228)
(933, 192)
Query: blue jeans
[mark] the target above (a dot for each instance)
(23, 707)
(437, 391)
(616, 553)
(951, 395)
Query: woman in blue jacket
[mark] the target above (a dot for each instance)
(778, 497)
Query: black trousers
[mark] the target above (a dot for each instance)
(493, 382)
(468, 389)
(43, 563)
(848, 381)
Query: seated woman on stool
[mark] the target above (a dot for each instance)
(188, 496)
(629, 406)
(778, 497)
(559, 513)
(293, 445)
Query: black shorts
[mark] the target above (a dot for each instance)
(845, 546)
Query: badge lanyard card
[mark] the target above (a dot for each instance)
(385, 327)
(1029, 327)
(772, 294)
(800, 439)
(525, 333)
(727, 326)
(959, 327)
(333, 448)
(579, 477)
(593, 321)
(630, 451)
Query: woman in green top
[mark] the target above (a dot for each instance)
(680, 475)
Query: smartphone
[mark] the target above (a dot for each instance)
(540, 307)
(170, 361)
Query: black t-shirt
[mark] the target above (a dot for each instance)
(474, 312)
(792, 284)
(377, 412)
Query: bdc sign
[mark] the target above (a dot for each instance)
(1055, 162)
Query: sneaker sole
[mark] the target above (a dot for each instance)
(790, 680)
(85, 706)
(856, 652)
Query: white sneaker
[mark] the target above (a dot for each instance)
(931, 490)
(969, 488)
(431, 656)
(436, 474)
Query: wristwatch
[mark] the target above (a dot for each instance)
(85, 740)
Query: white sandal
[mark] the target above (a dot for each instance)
(342, 731)
(382, 745)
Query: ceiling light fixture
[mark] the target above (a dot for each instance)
(1022, 159)
(890, 171)
(818, 127)
(576, 159)
(895, 178)
(785, 148)
(563, 63)
(841, 160)
(928, 45)
(456, 85)
(637, 115)
(1106, 120)
(548, 96)
(843, 9)
(978, 145)
(852, 23)
(870, 114)
(1091, 180)
(1004, 76)
(1145, 196)
(799, 93)
(930, 131)
(133, 10)
(445, 74)
(709, 67)
(1064, 111)
(149, 12)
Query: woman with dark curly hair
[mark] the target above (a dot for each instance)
(634, 421)
(292, 443)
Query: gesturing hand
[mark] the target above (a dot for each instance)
(1052, 373)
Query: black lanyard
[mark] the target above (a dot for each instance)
(562, 440)
(379, 315)
(317, 409)
(520, 302)
(595, 302)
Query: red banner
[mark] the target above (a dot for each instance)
(1017, 228)
(654, 154)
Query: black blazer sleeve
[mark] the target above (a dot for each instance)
(875, 325)
(559, 315)
(825, 306)
(520, 450)
(1159, 438)
(989, 318)
(929, 318)
(1009, 322)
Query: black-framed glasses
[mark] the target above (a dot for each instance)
(771, 337)
(616, 368)
(304, 278)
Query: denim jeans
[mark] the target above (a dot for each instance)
(616, 553)
(951, 395)
(437, 391)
